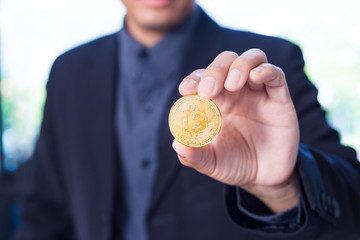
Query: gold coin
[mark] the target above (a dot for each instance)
(194, 121)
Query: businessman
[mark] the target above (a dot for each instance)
(107, 166)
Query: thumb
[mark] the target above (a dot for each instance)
(197, 158)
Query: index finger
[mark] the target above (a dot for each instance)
(212, 80)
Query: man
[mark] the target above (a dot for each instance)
(106, 168)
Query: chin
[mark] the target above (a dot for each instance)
(157, 14)
(163, 18)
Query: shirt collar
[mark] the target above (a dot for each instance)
(170, 47)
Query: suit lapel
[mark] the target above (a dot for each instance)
(100, 147)
(206, 44)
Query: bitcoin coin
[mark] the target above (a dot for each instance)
(194, 121)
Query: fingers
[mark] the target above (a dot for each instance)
(231, 72)
(273, 79)
(189, 85)
(212, 80)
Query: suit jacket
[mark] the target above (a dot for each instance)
(77, 188)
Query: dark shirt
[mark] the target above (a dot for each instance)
(147, 78)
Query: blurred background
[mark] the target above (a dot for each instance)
(34, 32)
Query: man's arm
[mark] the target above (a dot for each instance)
(273, 149)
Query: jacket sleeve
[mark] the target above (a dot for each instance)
(44, 208)
(330, 200)
(329, 172)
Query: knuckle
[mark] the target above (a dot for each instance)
(279, 70)
(255, 53)
(274, 69)
(216, 69)
(242, 63)
(271, 69)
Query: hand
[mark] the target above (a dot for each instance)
(257, 146)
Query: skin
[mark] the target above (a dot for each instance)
(256, 148)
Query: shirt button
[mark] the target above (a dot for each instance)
(145, 163)
(149, 107)
(144, 53)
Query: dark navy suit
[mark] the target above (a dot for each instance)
(77, 192)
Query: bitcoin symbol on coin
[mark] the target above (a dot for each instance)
(194, 121)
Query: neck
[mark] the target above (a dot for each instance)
(149, 36)
(146, 37)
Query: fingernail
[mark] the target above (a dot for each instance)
(198, 74)
(233, 77)
(207, 86)
(189, 83)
